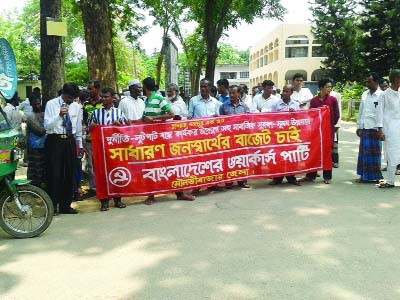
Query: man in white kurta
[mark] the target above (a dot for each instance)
(388, 122)
(133, 105)
(178, 105)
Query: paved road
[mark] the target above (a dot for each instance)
(318, 241)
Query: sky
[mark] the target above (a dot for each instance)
(245, 36)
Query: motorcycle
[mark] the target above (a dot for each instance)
(25, 210)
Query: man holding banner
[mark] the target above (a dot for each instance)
(233, 107)
(325, 99)
(157, 109)
(288, 105)
(108, 115)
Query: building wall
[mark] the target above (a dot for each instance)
(268, 59)
(241, 71)
(24, 85)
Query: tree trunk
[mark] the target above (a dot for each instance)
(99, 44)
(52, 58)
(197, 80)
(215, 15)
(195, 74)
(211, 59)
(193, 83)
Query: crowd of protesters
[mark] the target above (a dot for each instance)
(58, 136)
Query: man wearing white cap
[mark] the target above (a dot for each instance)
(133, 106)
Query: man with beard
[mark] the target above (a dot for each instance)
(177, 104)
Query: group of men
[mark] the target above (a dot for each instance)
(68, 124)
(379, 121)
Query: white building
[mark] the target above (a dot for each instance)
(289, 49)
(236, 74)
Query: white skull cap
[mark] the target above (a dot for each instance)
(134, 82)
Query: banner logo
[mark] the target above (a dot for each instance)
(120, 177)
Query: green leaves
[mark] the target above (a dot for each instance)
(229, 55)
(334, 26)
(381, 42)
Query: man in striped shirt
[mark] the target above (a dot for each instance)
(158, 109)
(108, 115)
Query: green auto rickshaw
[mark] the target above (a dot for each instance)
(25, 210)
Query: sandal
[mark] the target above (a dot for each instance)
(187, 198)
(229, 186)
(150, 201)
(359, 180)
(305, 179)
(275, 183)
(244, 185)
(385, 185)
(296, 183)
(327, 181)
(119, 204)
(104, 205)
(196, 192)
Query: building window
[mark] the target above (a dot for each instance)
(228, 75)
(296, 52)
(244, 74)
(297, 42)
(276, 55)
(317, 51)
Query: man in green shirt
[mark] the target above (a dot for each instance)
(157, 109)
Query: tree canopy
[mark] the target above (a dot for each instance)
(216, 16)
(334, 27)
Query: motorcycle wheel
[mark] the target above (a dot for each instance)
(33, 219)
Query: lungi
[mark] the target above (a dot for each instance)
(369, 155)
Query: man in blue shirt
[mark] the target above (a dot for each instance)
(235, 104)
(203, 105)
(223, 90)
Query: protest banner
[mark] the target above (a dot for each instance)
(149, 159)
